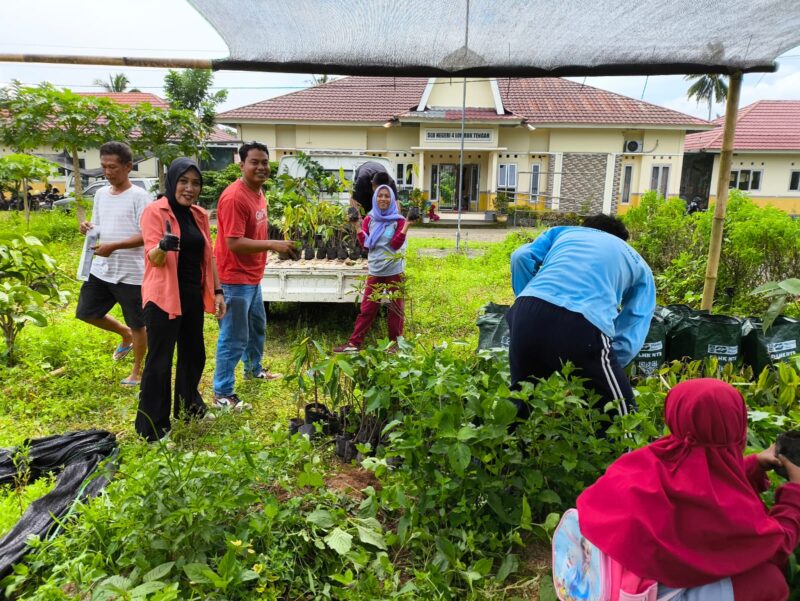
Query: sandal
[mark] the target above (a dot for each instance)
(122, 351)
(129, 382)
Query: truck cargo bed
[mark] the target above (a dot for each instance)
(313, 281)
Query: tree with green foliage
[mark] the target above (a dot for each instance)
(190, 89)
(22, 169)
(168, 134)
(28, 283)
(31, 117)
(762, 244)
(318, 80)
(707, 88)
(116, 83)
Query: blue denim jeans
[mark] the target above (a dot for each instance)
(241, 335)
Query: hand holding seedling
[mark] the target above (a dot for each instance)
(286, 246)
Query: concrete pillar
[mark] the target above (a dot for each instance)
(491, 188)
(609, 184)
(421, 180)
(556, 198)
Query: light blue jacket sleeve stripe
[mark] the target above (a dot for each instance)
(633, 322)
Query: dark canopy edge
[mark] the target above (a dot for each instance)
(228, 64)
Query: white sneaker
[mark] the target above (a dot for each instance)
(231, 402)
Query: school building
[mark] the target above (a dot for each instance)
(546, 143)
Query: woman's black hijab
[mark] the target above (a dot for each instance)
(177, 168)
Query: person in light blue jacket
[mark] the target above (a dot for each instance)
(582, 295)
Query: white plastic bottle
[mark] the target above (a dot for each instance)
(85, 265)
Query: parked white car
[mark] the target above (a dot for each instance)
(146, 183)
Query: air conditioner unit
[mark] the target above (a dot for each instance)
(632, 146)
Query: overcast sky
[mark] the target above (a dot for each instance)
(171, 28)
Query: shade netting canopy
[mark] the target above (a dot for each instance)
(503, 37)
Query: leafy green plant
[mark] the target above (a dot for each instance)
(28, 283)
(501, 203)
(444, 434)
(779, 295)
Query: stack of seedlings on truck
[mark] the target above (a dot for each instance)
(332, 264)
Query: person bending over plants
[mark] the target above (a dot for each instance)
(569, 285)
(685, 511)
(383, 234)
(180, 283)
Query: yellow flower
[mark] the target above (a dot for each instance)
(236, 543)
(258, 568)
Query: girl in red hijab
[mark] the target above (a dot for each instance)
(684, 511)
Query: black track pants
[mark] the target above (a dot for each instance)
(545, 336)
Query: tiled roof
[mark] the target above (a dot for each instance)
(537, 100)
(763, 125)
(220, 135)
(556, 100)
(357, 99)
(131, 98)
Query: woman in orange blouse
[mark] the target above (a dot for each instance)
(180, 283)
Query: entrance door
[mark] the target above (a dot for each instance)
(471, 187)
(444, 186)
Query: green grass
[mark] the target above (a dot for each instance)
(66, 379)
(445, 295)
(241, 478)
(14, 500)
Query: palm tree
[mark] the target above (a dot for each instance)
(711, 88)
(318, 80)
(115, 83)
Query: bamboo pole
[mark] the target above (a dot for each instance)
(723, 179)
(114, 61)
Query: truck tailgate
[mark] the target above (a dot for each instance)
(313, 281)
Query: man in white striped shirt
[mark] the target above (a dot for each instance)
(118, 264)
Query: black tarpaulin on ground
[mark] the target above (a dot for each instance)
(503, 37)
(76, 455)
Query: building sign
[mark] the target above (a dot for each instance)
(454, 135)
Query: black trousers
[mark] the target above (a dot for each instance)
(545, 336)
(163, 335)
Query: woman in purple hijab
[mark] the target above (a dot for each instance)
(383, 234)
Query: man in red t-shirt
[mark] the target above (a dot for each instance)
(241, 254)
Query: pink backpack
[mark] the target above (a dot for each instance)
(582, 572)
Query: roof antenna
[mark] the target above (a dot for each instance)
(646, 79)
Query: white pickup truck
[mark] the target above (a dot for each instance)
(313, 281)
